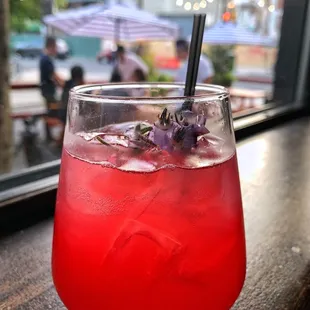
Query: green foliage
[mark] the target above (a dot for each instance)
(155, 76)
(152, 71)
(224, 79)
(222, 58)
(23, 11)
(61, 4)
(159, 77)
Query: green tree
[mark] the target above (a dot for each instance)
(20, 11)
(6, 145)
(23, 10)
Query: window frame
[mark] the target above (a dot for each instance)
(292, 59)
(291, 78)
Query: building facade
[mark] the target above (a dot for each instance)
(77, 3)
(263, 16)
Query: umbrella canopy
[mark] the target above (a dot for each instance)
(119, 21)
(232, 34)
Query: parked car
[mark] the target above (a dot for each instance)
(34, 49)
(28, 49)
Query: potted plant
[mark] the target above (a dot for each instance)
(222, 58)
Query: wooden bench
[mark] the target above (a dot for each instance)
(30, 120)
(26, 115)
(33, 117)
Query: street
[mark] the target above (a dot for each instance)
(29, 73)
(30, 101)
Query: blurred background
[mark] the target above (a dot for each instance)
(241, 41)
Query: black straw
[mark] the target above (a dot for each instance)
(194, 54)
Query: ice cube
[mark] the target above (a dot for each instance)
(88, 136)
(120, 129)
(139, 255)
(193, 161)
(135, 164)
(126, 129)
(116, 134)
(209, 140)
(160, 158)
(166, 243)
(209, 147)
(115, 140)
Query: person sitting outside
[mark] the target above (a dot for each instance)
(77, 78)
(127, 63)
(114, 79)
(138, 77)
(205, 71)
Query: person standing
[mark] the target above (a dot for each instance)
(205, 71)
(127, 63)
(49, 80)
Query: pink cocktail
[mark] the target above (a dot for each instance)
(144, 222)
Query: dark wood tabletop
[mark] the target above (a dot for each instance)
(275, 177)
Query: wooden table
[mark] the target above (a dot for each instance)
(242, 99)
(275, 174)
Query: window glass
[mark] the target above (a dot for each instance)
(241, 42)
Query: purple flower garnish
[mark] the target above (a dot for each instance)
(189, 135)
(181, 134)
(178, 133)
(165, 120)
(163, 131)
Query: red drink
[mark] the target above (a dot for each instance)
(170, 239)
(149, 213)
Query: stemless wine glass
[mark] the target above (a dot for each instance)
(149, 212)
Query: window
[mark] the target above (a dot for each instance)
(262, 77)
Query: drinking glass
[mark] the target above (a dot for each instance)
(149, 212)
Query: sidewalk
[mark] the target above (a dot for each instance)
(94, 71)
(30, 100)
(31, 76)
(254, 75)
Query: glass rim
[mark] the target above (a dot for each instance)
(213, 92)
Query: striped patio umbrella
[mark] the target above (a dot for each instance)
(118, 22)
(233, 34)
